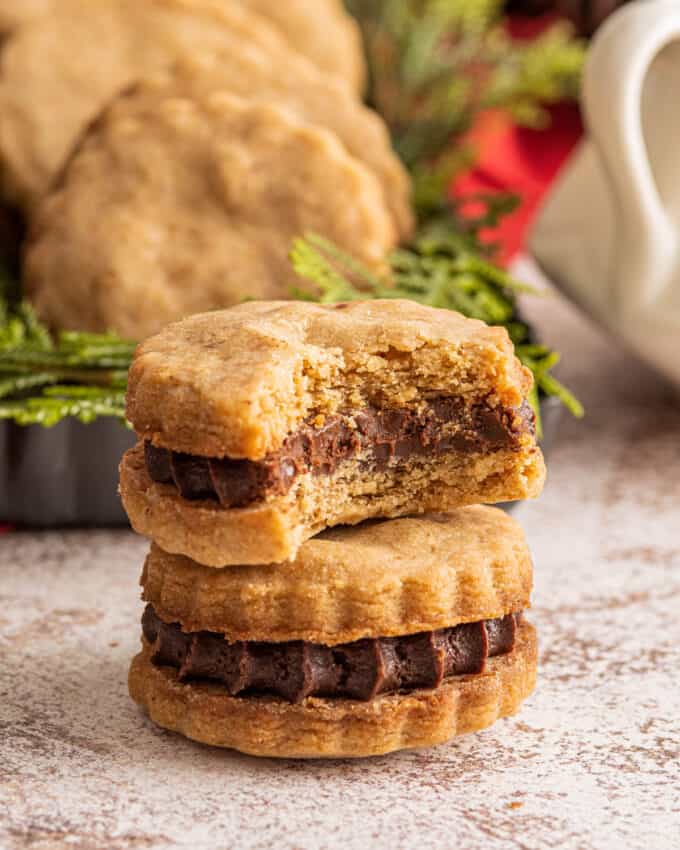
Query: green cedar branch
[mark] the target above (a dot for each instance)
(46, 411)
(44, 379)
(435, 65)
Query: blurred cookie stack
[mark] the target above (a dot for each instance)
(162, 154)
(263, 425)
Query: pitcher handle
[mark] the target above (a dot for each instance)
(618, 62)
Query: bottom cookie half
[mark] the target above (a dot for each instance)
(336, 728)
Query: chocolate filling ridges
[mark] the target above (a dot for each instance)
(359, 670)
(381, 435)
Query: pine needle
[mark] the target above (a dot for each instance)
(46, 411)
(44, 380)
(435, 65)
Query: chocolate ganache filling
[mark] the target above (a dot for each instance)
(359, 670)
(381, 436)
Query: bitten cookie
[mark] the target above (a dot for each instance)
(442, 648)
(261, 425)
(190, 204)
(58, 71)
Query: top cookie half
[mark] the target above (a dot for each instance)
(263, 424)
(236, 383)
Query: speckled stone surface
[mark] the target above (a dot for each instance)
(592, 761)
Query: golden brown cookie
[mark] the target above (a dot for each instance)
(313, 96)
(13, 13)
(382, 608)
(263, 424)
(236, 382)
(192, 204)
(321, 30)
(377, 579)
(318, 727)
(58, 71)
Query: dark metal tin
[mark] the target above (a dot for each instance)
(68, 475)
(552, 413)
(61, 476)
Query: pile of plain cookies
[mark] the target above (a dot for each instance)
(163, 154)
(321, 580)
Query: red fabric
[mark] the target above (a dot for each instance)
(526, 27)
(521, 161)
(517, 159)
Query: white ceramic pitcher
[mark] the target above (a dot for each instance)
(609, 234)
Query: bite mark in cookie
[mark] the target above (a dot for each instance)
(261, 425)
(381, 437)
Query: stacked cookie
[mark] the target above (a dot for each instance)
(321, 580)
(139, 136)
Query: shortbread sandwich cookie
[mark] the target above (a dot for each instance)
(261, 425)
(393, 634)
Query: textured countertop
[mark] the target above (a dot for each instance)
(591, 762)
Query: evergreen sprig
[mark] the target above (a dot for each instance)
(435, 65)
(439, 272)
(43, 380)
